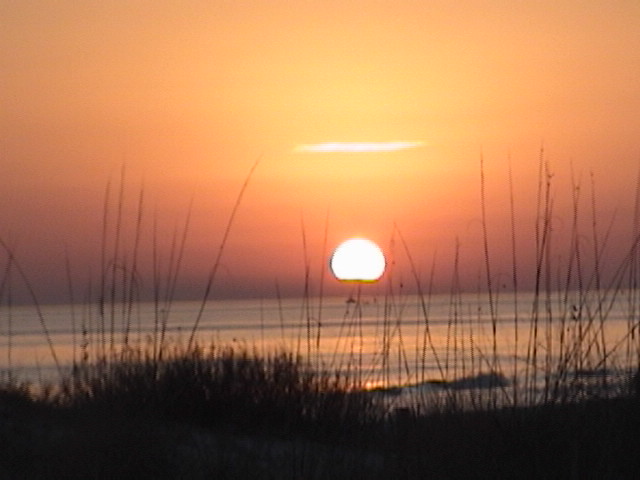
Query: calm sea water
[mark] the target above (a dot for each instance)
(381, 341)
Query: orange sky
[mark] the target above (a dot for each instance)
(188, 95)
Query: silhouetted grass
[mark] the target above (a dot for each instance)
(135, 416)
(128, 411)
(219, 387)
(239, 416)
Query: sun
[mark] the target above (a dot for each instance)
(357, 260)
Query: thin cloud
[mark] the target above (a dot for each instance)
(357, 147)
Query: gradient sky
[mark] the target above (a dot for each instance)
(188, 95)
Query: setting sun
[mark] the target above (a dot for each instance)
(358, 259)
(312, 219)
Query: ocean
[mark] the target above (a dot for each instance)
(532, 342)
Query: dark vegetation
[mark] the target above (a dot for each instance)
(229, 414)
(217, 412)
(230, 388)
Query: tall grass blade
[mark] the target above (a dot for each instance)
(34, 299)
(216, 263)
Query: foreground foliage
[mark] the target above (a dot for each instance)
(231, 414)
(219, 388)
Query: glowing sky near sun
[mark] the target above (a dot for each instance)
(366, 116)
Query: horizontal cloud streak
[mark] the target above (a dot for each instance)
(357, 147)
